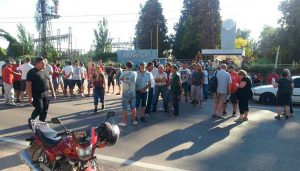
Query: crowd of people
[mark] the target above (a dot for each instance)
(139, 85)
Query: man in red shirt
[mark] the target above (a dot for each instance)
(8, 76)
(55, 76)
(17, 80)
(234, 86)
(272, 76)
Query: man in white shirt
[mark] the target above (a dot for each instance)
(24, 70)
(77, 77)
(160, 88)
(67, 76)
(185, 75)
(153, 71)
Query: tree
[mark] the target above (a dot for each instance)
(3, 54)
(290, 30)
(14, 48)
(25, 40)
(268, 43)
(152, 24)
(198, 28)
(102, 40)
(245, 34)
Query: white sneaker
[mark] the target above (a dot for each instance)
(134, 122)
(122, 124)
(12, 104)
(82, 95)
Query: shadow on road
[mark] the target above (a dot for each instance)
(202, 135)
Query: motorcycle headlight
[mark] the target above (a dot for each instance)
(84, 153)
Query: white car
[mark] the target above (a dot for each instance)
(266, 94)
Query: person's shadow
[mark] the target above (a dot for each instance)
(202, 135)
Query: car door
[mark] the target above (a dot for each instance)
(296, 92)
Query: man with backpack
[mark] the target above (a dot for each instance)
(222, 92)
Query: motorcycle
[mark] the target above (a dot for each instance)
(69, 150)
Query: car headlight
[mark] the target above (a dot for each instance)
(84, 153)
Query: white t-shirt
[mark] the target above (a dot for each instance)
(1, 64)
(153, 72)
(77, 73)
(129, 80)
(49, 70)
(68, 70)
(83, 70)
(184, 74)
(24, 69)
(161, 76)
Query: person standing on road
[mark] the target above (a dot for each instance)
(67, 77)
(176, 89)
(38, 84)
(272, 76)
(185, 75)
(91, 72)
(234, 87)
(244, 94)
(17, 80)
(117, 77)
(49, 69)
(110, 78)
(153, 70)
(160, 88)
(77, 77)
(128, 95)
(284, 94)
(24, 69)
(205, 84)
(143, 83)
(98, 81)
(84, 76)
(223, 91)
(55, 77)
(197, 84)
(8, 76)
(290, 78)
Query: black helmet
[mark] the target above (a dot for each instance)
(108, 133)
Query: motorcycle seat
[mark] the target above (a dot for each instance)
(48, 136)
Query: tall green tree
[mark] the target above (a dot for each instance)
(102, 40)
(151, 29)
(14, 48)
(198, 28)
(25, 40)
(268, 43)
(290, 30)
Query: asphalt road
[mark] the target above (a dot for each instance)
(192, 141)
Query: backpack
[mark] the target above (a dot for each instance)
(213, 83)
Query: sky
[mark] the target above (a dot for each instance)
(122, 16)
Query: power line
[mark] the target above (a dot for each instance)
(87, 15)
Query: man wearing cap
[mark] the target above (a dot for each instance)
(143, 83)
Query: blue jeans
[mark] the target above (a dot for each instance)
(98, 93)
(185, 87)
(149, 101)
(163, 91)
(205, 91)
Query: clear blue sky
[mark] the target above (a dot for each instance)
(122, 16)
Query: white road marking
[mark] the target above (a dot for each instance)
(109, 158)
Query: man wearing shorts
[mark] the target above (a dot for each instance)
(223, 91)
(128, 95)
(24, 69)
(67, 76)
(77, 77)
(143, 83)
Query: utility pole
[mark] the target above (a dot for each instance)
(157, 36)
(151, 38)
(277, 56)
(44, 29)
